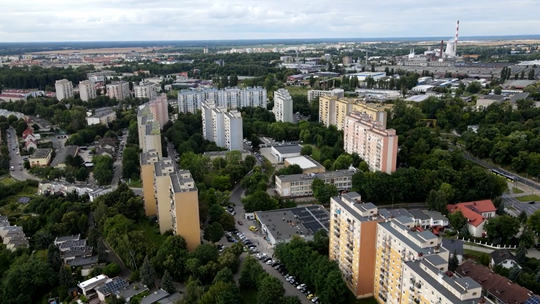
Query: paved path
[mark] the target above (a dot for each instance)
(16, 159)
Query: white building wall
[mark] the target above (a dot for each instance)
(283, 106)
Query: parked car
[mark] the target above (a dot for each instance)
(253, 228)
(301, 286)
(240, 223)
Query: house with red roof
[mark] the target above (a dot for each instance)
(477, 213)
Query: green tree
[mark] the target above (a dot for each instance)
(255, 141)
(225, 275)
(515, 272)
(251, 270)
(344, 161)
(167, 283)
(522, 217)
(147, 273)
(306, 150)
(112, 270)
(53, 257)
(457, 220)
(103, 169)
(502, 228)
(453, 263)
(438, 199)
(323, 192)
(65, 278)
(172, 256)
(221, 182)
(213, 232)
(484, 259)
(259, 201)
(521, 253)
(227, 221)
(272, 292)
(131, 163)
(81, 174)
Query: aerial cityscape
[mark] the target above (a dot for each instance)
(262, 153)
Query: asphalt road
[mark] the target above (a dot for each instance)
(118, 161)
(262, 245)
(17, 159)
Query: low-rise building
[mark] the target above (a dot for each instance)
(283, 224)
(41, 157)
(504, 258)
(454, 247)
(308, 164)
(87, 287)
(477, 213)
(59, 160)
(485, 101)
(495, 288)
(298, 185)
(215, 154)
(68, 238)
(110, 287)
(102, 116)
(283, 152)
(13, 237)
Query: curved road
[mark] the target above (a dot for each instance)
(16, 159)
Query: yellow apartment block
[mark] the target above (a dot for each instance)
(184, 206)
(398, 242)
(162, 181)
(353, 234)
(147, 177)
(334, 110)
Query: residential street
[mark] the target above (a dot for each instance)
(16, 159)
(118, 161)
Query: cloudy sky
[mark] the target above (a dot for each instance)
(129, 20)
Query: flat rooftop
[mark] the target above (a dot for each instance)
(303, 161)
(302, 221)
(323, 175)
(62, 153)
(288, 149)
(41, 153)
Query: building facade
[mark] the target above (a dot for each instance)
(312, 94)
(283, 106)
(87, 90)
(160, 109)
(147, 177)
(353, 234)
(222, 127)
(162, 181)
(118, 90)
(185, 208)
(149, 130)
(41, 157)
(190, 101)
(298, 185)
(375, 144)
(64, 89)
(145, 90)
(334, 110)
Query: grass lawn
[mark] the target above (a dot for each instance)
(473, 253)
(135, 183)
(526, 198)
(516, 190)
(294, 90)
(7, 181)
(151, 232)
(315, 153)
(249, 296)
(42, 254)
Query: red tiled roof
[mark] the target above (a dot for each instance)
(27, 132)
(500, 287)
(481, 206)
(473, 210)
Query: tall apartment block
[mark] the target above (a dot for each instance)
(375, 144)
(162, 181)
(160, 109)
(148, 159)
(144, 90)
(118, 90)
(185, 208)
(149, 130)
(222, 127)
(283, 106)
(399, 242)
(334, 110)
(64, 89)
(353, 235)
(312, 94)
(87, 90)
(189, 101)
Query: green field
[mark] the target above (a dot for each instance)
(151, 232)
(516, 190)
(7, 181)
(526, 198)
(294, 90)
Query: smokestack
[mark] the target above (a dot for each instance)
(441, 54)
(456, 38)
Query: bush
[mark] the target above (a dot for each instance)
(112, 270)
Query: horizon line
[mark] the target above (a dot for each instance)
(523, 36)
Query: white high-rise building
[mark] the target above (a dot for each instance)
(87, 90)
(64, 89)
(222, 127)
(118, 90)
(190, 101)
(283, 106)
(145, 90)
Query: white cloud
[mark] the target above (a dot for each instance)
(61, 20)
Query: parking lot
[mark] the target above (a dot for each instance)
(515, 207)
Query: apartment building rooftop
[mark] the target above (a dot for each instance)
(394, 213)
(450, 287)
(164, 167)
(304, 221)
(182, 184)
(42, 153)
(323, 175)
(149, 157)
(152, 128)
(412, 237)
(353, 204)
